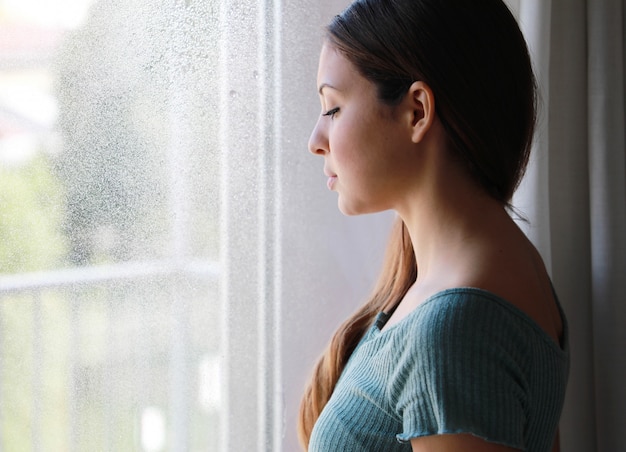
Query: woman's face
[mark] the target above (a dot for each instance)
(369, 157)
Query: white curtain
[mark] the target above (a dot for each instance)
(575, 198)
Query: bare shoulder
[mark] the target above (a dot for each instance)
(496, 257)
(514, 270)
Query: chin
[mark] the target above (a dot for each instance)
(354, 208)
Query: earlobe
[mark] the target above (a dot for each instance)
(422, 102)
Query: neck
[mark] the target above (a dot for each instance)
(448, 217)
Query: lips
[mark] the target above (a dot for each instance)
(331, 181)
(332, 178)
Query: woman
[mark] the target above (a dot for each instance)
(428, 108)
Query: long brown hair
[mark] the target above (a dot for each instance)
(399, 272)
(474, 58)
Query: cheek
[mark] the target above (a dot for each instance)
(359, 145)
(344, 145)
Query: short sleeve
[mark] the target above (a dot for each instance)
(464, 370)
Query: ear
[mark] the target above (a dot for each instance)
(421, 101)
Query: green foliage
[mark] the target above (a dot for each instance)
(30, 218)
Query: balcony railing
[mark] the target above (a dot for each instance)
(111, 357)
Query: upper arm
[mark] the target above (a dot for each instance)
(456, 442)
(466, 377)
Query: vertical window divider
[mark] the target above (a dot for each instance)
(242, 230)
(250, 200)
(178, 170)
(269, 386)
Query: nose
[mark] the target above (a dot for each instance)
(318, 141)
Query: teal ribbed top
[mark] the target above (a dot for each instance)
(464, 361)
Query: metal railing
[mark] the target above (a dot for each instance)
(105, 287)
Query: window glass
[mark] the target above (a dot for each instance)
(109, 225)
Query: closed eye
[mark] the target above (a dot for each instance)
(332, 112)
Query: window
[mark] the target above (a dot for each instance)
(170, 261)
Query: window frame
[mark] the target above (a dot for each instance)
(291, 266)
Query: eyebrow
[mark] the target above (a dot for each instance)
(326, 85)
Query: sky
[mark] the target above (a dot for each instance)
(30, 31)
(65, 14)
